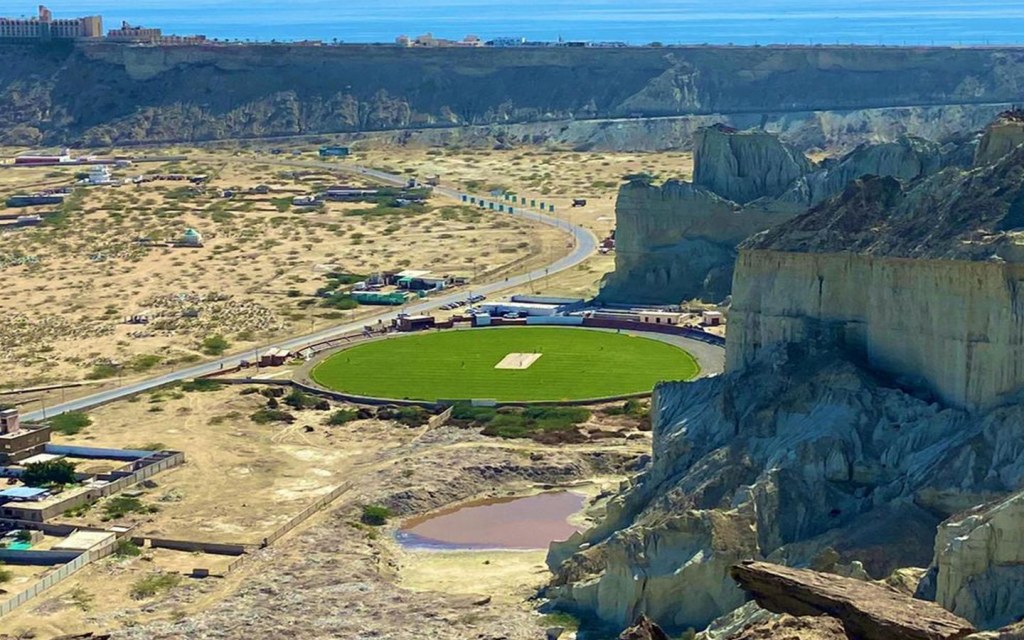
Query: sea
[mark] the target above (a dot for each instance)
(740, 22)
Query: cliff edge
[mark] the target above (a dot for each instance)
(678, 242)
(921, 282)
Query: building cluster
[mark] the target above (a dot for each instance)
(145, 35)
(428, 40)
(44, 27)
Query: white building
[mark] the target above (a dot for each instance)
(661, 317)
(99, 174)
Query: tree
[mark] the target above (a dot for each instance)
(41, 474)
(215, 345)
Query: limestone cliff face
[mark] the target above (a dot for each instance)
(1001, 138)
(953, 327)
(801, 453)
(978, 571)
(103, 94)
(922, 283)
(679, 242)
(745, 166)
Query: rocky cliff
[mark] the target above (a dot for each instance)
(874, 354)
(978, 570)
(102, 94)
(923, 283)
(798, 457)
(679, 241)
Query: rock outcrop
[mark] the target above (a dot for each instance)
(745, 166)
(978, 571)
(922, 283)
(843, 431)
(678, 242)
(801, 453)
(643, 629)
(107, 94)
(866, 610)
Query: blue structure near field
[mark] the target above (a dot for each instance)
(333, 152)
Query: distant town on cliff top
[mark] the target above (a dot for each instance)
(444, 23)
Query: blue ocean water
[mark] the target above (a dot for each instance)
(892, 22)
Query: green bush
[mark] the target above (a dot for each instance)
(300, 400)
(41, 474)
(375, 515)
(125, 548)
(70, 423)
(408, 416)
(560, 619)
(120, 506)
(154, 584)
(340, 301)
(532, 422)
(342, 416)
(144, 362)
(5, 574)
(267, 416)
(201, 385)
(102, 371)
(215, 345)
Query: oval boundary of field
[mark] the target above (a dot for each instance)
(309, 385)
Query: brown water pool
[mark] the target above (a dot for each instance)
(532, 522)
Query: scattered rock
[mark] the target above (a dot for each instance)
(868, 611)
(643, 629)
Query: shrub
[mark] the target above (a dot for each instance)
(58, 472)
(70, 423)
(200, 385)
(266, 416)
(375, 515)
(560, 619)
(102, 371)
(153, 584)
(144, 362)
(408, 416)
(340, 301)
(299, 400)
(342, 416)
(215, 345)
(538, 423)
(125, 548)
(5, 574)
(120, 506)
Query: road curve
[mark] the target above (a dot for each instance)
(584, 244)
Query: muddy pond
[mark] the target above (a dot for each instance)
(531, 522)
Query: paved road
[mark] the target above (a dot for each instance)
(585, 243)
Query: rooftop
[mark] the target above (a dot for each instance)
(23, 493)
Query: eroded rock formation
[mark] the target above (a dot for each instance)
(106, 94)
(678, 241)
(923, 283)
(822, 447)
(866, 610)
(978, 571)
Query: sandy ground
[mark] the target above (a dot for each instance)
(241, 480)
(333, 577)
(253, 280)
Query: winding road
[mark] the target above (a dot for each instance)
(584, 244)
